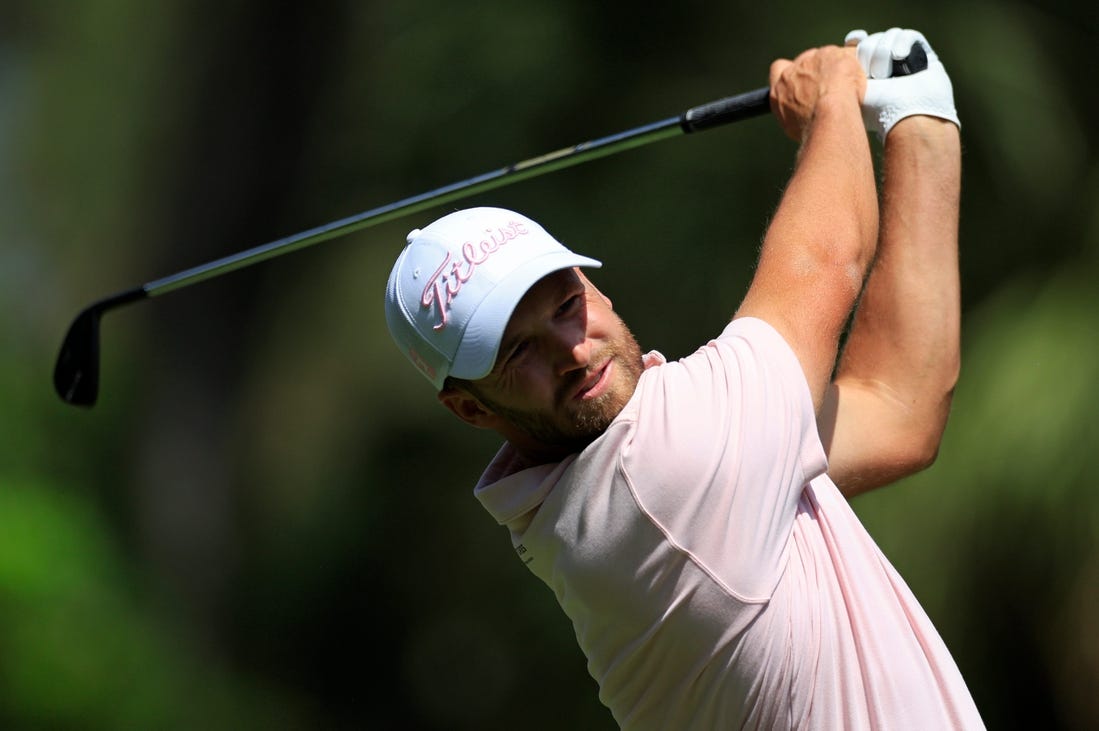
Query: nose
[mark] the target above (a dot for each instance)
(572, 350)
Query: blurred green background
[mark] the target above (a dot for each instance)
(267, 522)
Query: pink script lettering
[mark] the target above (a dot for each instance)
(447, 281)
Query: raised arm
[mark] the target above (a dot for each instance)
(820, 242)
(886, 411)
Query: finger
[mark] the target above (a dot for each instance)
(915, 36)
(865, 51)
(777, 67)
(854, 38)
(902, 43)
(881, 58)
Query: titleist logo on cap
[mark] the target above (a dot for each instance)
(447, 281)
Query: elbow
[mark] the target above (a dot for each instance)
(892, 444)
(917, 447)
(905, 455)
(920, 454)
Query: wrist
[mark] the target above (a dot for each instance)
(838, 104)
(923, 128)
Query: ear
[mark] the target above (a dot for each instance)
(466, 407)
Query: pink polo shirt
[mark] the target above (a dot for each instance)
(714, 575)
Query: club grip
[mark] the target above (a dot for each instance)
(914, 62)
(730, 109)
(757, 102)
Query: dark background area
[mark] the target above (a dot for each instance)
(268, 522)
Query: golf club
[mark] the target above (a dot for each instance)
(76, 373)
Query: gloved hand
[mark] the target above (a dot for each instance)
(889, 99)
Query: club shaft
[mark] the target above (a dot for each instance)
(695, 119)
(506, 175)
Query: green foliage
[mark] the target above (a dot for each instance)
(81, 650)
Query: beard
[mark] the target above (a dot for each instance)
(574, 424)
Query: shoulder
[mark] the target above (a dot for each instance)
(743, 392)
(747, 350)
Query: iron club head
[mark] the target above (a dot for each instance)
(76, 373)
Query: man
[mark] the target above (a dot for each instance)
(686, 514)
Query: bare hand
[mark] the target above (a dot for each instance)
(798, 86)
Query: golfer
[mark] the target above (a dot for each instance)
(690, 516)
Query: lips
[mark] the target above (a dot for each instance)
(596, 384)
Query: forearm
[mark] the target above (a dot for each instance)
(903, 355)
(820, 242)
(829, 211)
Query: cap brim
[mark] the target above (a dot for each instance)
(480, 342)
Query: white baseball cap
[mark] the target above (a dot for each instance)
(453, 289)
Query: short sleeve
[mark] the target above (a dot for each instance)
(725, 443)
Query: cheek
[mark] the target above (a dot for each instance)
(603, 324)
(527, 385)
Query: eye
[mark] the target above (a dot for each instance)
(569, 305)
(516, 352)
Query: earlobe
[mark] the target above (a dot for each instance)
(466, 407)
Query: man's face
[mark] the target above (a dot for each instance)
(567, 366)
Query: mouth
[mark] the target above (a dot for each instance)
(596, 384)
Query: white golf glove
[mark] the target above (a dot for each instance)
(889, 99)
